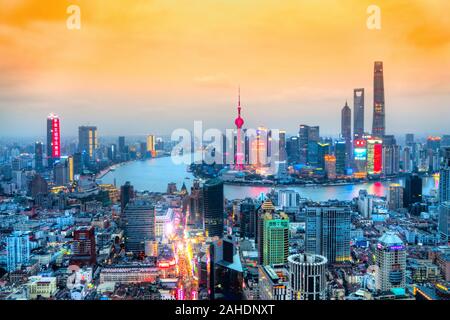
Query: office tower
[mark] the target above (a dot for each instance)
(312, 146)
(61, 172)
(391, 159)
(365, 204)
(444, 222)
(239, 122)
(224, 270)
(213, 211)
(413, 190)
(266, 208)
(340, 151)
(379, 125)
(330, 167)
(346, 129)
(77, 163)
(112, 152)
(307, 276)
(151, 145)
(143, 150)
(53, 139)
(328, 233)
(38, 186)
(293, 150)
(121, 143)
(282, 146)
(126, 194)
(409, 139)
(38, 156)
(374, 156)
(390, 256)
(323, 149)
(196, 205)
(444, 180)
(275, 238)
(247, 211)
(303, 135)
(358, 113)
(17, 250)
(83, 246)
(395, 197)
(139, 224)
(346, 123)
(288, 200)
(87, 140)
(406, 160)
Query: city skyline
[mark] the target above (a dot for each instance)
(127, 64)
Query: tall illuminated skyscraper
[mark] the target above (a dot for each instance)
(379, 122)
(87, 140)
(151, 145)
(328, 232)
(358, 113)
(346, 130)
(391, 259)
(346, 123)
(53, 139)
(213, 203)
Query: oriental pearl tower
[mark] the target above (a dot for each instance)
(239, 122)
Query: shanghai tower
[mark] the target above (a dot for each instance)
(379, 124)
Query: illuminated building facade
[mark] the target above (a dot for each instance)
(53, 138)
(307, 276)
(330, 166)
(139, 225)
(390, 256)
(340, 153)
(273, 283)
(358, 113)
(374, 156)
(328, 233)
(275, 238)
(379, 125)
(395, 196)
(360, 158)
(151, 145)
(87, 140)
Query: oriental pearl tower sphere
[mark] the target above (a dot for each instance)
(239, 122)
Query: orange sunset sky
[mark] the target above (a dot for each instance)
(143, 66)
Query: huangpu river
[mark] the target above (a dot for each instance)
(155, 174)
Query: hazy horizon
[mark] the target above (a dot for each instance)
(155, 66)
